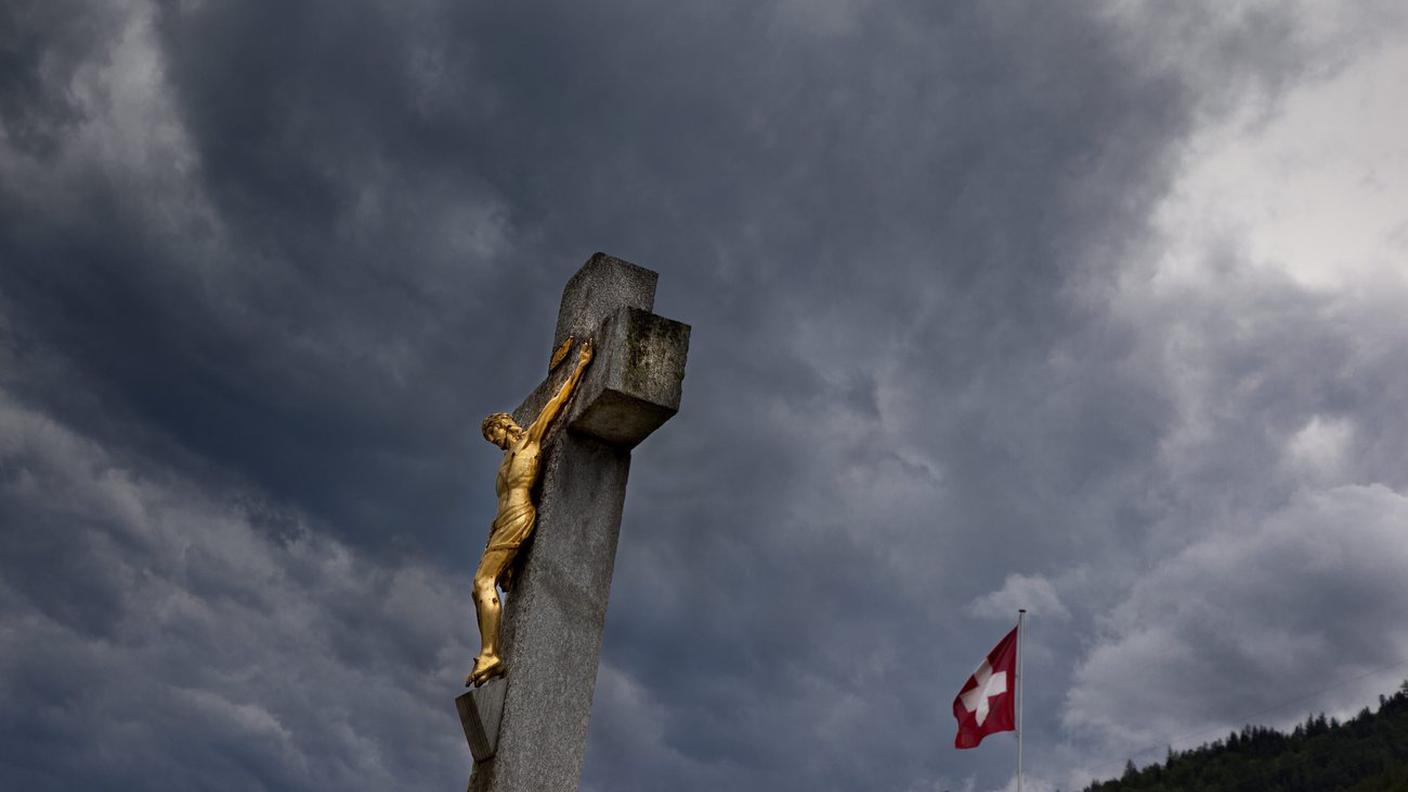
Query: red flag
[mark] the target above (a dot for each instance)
(987, 703)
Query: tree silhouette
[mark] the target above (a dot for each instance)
(1367, 752)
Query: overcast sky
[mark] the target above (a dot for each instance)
(1091, 308)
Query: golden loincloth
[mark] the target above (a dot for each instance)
(511, 527)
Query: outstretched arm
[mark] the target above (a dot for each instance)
(554, 406)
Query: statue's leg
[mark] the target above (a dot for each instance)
(489, 610)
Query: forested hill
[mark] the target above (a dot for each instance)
(1368, 752)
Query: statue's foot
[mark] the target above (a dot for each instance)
(485, 669)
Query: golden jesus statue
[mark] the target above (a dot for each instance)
(516, 516)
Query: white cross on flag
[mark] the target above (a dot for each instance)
(986, 704)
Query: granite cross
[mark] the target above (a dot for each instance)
(528, 730)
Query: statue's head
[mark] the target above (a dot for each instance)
(501, 430)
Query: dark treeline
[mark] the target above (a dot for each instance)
(1367, 752)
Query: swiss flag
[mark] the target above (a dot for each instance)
(986, 704)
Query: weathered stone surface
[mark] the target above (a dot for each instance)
(639, 383)
(634, 383)
(553, 620)
(601, 287)
(481, 711)
(554, 616)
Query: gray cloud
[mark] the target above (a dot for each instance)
(1033, 593)
(157, 639)
(1305, 599)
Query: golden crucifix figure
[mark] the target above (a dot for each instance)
(516, 513)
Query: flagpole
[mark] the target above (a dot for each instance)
(1021, 639)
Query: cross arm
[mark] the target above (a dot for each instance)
(633, 385)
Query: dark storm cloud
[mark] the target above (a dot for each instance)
(156, 638)
(300, 250)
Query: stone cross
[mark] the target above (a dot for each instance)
(528, 730)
